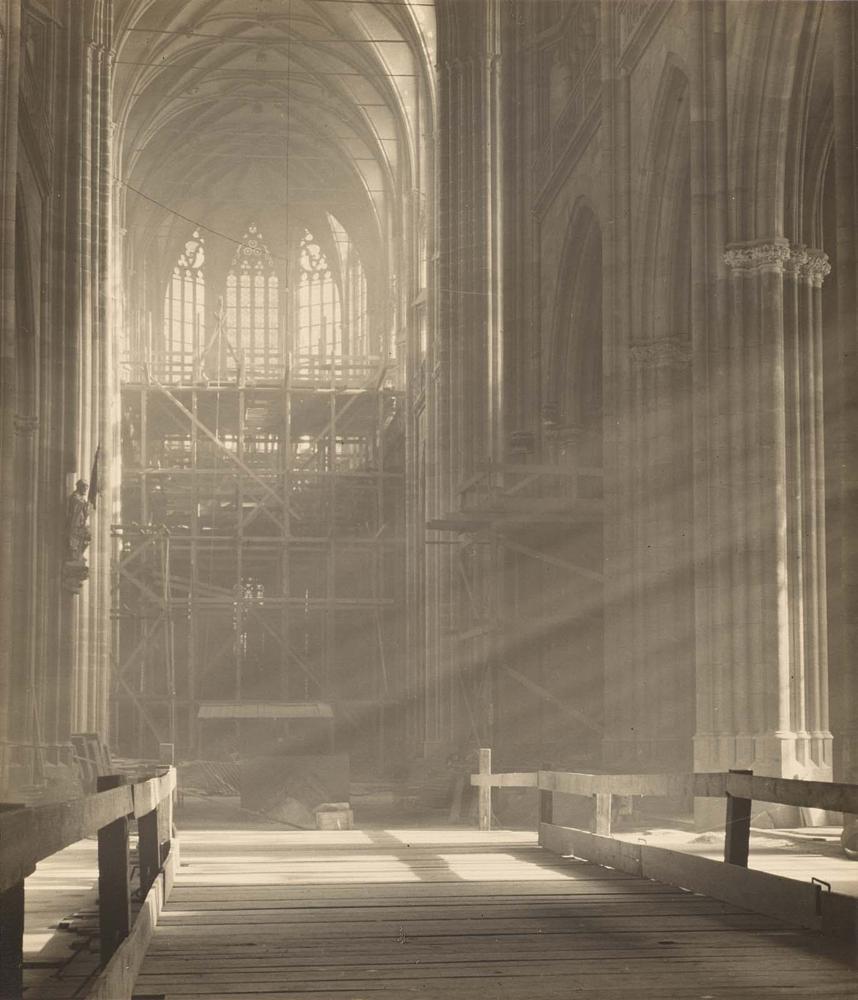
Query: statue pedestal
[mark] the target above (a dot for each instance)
(75, 573)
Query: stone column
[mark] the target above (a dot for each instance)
(843, 391)
(93, 410)
(10, 52)
(617, 381)
(648, 724)
(649, 673)
(470, 300)
(805, 272)
(109, 413)
(717, 424)
(24, 596)
(766, 706)
(761, 659)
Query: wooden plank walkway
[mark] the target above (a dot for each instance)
(457, 914)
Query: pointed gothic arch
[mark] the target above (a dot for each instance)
(573, 389)
(253, 325)
(185, 309)
(318, 306)
(664, 235)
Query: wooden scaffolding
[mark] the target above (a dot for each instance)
(260, 550)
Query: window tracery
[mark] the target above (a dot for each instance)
(185, 307)
(319, 326)
(254, 341)
(355, 316)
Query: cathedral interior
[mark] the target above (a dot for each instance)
(411, 377)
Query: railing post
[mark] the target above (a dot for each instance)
(165, 826)
(546, 806)
(602, 814)
(485, 789)
(149, 848)
(737, 831)
(12, 935)
(12, 942)
(114, 903)
(167, 758)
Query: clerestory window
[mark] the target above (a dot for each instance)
(319, 331)
(184, 311)
(355, 318)
(254, 340)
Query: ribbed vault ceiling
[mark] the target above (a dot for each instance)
(271, 103)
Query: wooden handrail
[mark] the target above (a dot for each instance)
(29, 835)
(731, 880)
(828, 795)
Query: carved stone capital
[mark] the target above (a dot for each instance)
(817, 267)
(25, 425)
(797, 260)
(666, 352)
(808, 264)
(757, 256)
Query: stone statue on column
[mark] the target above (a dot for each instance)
(78, 537)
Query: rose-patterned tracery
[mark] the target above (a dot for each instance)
(253, 331)
(319, 327)
(185, 305)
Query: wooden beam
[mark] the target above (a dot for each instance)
(142, 587)
(668, 785)
(830, 795)
(141, 708)
(147, 795)
(546, 807)
(510, 779)
(285, 644)
(12, 942)
(114, 894)
(602, 814)
(564, 472)
(342, 603)
(116, 981)
(787, 899)
(142, 646)
(549, 696)
(526, 550)
(30, 835)
(480, 474)
(233, 458)
(148, 849)
(485, 789)
(737, 832)
(736, 785)
(357, 394)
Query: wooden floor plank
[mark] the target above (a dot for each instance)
(457, 915)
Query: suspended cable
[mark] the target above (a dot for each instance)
(232, 40)
(267, 73)
(236, 241)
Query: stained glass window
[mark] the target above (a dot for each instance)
(319, 332)
(355, 334)
(254, 342)
(184, 311)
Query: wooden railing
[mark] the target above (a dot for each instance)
(30, 835)
(809, 904)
